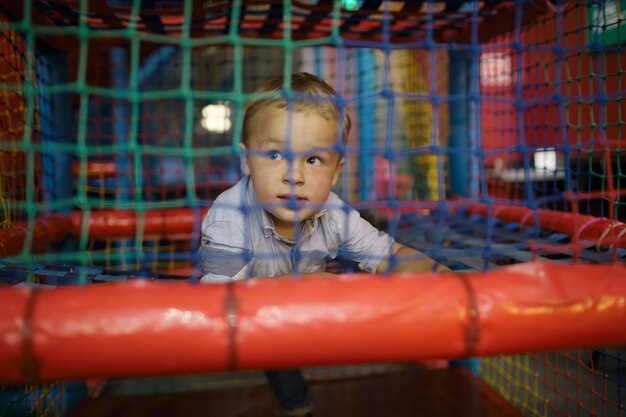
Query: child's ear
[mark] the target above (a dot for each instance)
(243, 159)
(337, 172)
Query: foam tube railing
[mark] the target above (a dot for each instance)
(602, 231)
(184, 223)
(141, 328)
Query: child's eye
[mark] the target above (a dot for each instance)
(314, 160)
(274, 155)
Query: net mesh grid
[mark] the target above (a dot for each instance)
(157, 155)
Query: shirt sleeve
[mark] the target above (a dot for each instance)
(224, 254)
(362, 242)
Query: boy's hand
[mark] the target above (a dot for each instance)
(410, 260)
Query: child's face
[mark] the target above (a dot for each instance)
(292, 175)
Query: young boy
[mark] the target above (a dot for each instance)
(282, 219)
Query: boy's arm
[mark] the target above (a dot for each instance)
(306, 275)
(409, 260)
(223, 254)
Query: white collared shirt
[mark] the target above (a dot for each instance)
(239, 239)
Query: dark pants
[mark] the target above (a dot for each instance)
(289, 388)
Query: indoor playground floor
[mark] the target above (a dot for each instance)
(398, 392)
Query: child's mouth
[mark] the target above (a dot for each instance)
(292, 201)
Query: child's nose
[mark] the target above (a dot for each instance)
(294, 172)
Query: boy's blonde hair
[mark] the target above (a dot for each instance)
(323, 100)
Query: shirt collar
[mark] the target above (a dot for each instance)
(308, 227)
